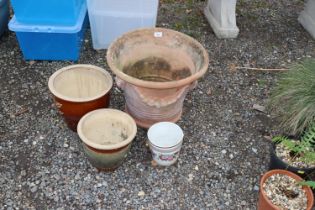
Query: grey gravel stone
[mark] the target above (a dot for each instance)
(256, 188)
(34, 189)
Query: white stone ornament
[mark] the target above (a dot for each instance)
(307, 17)
(222, 18)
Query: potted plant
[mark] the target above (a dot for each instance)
(297, 156)
(281, 189)
(293, 99)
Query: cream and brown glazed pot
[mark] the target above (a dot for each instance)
(156, 67)
(79, 89)
(107, 135)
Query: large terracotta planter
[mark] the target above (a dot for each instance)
(79, 89)
(156, 68)
(107, 135)
(265, 204)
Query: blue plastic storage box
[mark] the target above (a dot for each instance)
(47, 12)
(4, 15)
(51, 42)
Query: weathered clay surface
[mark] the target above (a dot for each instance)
(156, 68)
(149, 106)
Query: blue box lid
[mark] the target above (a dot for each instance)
(16, 26)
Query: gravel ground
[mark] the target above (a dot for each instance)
(224, 153)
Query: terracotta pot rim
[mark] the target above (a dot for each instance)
(307, 190)
(158, 85)
(112, 146)
(72, 99)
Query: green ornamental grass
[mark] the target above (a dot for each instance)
(294, 97)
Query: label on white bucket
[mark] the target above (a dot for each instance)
(158, 34)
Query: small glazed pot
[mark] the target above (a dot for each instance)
(165, 141)
(107, 135)
(79, 89)
(277, 163)
(265, 204)
(156, 68)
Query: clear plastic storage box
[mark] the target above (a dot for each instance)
(47, 12)
(111, 18)
(44, 42)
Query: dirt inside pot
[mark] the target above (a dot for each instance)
(291, 158)
(106, 132)
(156, 69)
(285, 192)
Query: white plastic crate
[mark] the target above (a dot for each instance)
(111, 18)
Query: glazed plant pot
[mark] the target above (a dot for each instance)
(265, 204)
(278, 163)
(79, 89)
(155, 68)
(165, 141)
(107, 135)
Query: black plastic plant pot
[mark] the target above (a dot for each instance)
(277, 163)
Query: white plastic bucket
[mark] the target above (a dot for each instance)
(165, 141)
